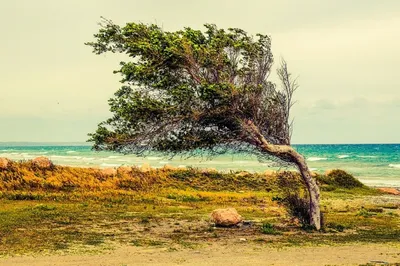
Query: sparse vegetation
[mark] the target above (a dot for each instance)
(340, 178)
(269, 229)
(67, 209)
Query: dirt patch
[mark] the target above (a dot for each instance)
(234, 254)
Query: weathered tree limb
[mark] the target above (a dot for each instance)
(288, 154)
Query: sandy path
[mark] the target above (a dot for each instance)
(216, 255)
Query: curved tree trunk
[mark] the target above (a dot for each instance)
(288, 154)
(312, 187)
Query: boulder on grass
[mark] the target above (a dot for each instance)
(4, 163)
(42, 162)
(226, 217)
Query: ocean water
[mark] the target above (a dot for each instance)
(373, 164)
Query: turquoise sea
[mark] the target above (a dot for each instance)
(373, 164)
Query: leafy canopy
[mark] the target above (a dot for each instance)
(191, 90)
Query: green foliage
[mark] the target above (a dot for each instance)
(189, 90)
(44, 207)
(343, 179)
(336, 226)
(269, 229)
(298, 207)
(104, 217)
(183, 174)
(365, 213)
(187, 198)
(289, 182)
(291, 187)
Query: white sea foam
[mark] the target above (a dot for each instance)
(153, 158)
(123, 160)
(71, 151)
(313, 169)
(244, 162)
(268, 164)
(110, 165)
(343, 156)
(113, 157)
(162, 162)
(394, 165)
(87, 158)
(58, 156)
(367, 156)
(311, 159)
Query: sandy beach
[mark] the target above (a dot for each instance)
(233, 254)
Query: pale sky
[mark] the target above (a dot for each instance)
(346, 55)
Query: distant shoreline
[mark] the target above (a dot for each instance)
(147, 167)
(83, 143)
(46, 144)
(374, 164)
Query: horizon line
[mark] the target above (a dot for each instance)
(84, 143)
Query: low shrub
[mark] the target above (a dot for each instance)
(343, 179)
(365, 213)
(336, 226)
(269, 229)
(298, 207)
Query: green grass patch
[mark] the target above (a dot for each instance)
(84, 208)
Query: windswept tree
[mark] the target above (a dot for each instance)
(189, 91)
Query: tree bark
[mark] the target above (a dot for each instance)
(312, 187)
(288, 154)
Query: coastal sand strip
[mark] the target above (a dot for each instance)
(243, 254)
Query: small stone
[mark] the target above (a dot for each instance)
(389, 190)
(4, 163)
(242, 239)
(42, 162)
(226, 217)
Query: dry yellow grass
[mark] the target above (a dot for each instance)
(62, 208)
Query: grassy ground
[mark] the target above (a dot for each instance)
(71, 210)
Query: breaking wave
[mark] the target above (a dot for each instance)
(311, 159)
